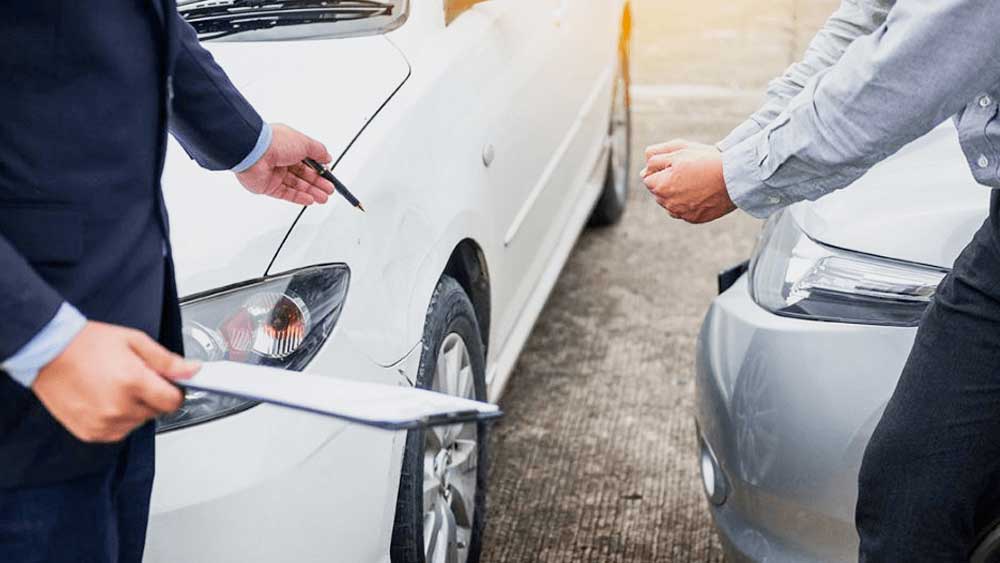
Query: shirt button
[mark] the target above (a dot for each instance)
(985, 101)
(983, 162)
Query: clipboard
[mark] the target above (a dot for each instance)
(370, 404)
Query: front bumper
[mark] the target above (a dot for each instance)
(271, 484)
(787, 407)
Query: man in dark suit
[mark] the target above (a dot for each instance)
(91, 323)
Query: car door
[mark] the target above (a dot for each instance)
(589, 34)
(567, 93)
(495, 80)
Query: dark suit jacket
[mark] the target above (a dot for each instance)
(87, 90)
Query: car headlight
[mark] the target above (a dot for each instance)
(794, 276)
(279, 321)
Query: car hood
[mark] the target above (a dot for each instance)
(328, 89)
(921, 205)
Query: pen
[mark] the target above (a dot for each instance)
(337, 184)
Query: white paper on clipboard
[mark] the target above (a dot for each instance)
(369, 404)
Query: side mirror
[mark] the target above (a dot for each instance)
(285, 20)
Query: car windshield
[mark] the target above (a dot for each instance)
(215, 19)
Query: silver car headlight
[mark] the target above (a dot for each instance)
(794, 276)
(279, 321)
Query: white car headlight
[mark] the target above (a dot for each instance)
(792, 275)
(279, 321)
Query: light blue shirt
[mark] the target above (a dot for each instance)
(258, 150)
(55, 336)
(926, 62)
(853, 19)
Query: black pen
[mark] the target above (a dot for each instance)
(337, 184)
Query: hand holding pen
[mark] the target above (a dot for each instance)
(279, 172)
(337, 184)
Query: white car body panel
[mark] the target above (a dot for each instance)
(403, 232)
(269, 485)
(223, 235)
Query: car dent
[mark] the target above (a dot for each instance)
(210, 252)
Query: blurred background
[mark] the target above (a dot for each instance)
(595, 461)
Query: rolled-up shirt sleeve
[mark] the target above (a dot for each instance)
(890, 87)
(853, 19)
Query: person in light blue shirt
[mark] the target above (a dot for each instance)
(879, 75)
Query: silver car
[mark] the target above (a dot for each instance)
(799, 355)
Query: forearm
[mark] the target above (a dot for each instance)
(854, 19)
(213, 122)
(889, 88)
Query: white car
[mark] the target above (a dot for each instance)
(480, 136)
(799, 356)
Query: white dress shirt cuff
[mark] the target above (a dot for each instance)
(263, 143)
(54, 337)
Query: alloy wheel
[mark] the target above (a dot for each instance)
(450, 463)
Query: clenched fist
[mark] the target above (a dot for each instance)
(686, 179)
(109, 381)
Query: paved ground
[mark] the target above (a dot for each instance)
(595, 460)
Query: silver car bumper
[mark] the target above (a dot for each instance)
(784, 409)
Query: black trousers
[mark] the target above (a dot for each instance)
(930, 480)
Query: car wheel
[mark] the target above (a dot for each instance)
(611, 205)
(441, 508)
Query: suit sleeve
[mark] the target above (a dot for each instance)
(27, 302)
(854, 19)
(211, 119)
(45, 346)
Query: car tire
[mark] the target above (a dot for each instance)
(453, 360)
(611, 205)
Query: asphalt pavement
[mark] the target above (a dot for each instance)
(595, 461)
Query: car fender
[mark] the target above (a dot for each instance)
(398, 249)
(467, 225)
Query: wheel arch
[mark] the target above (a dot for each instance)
(467, 265)
(462, 250)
